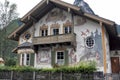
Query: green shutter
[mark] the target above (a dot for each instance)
(19, 55)
(32, 56)
(66, 58)
(53, 58)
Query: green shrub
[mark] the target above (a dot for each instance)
(83, 67)
(10, 62)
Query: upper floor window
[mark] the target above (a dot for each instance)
(27, 36)
(67, 29)
(55, 31)
(44, 32)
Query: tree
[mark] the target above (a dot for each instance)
(7, 13)
(10, 62)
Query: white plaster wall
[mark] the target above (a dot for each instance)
(43, 21)
(82, 32)
(74, 56)
(21, 38)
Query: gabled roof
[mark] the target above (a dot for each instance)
(44, 7)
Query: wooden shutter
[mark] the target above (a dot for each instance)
(32, 56)
(53, 58)
(66, 58)
(19, 56)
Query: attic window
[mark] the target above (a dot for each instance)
(27, 36)
(90, 42)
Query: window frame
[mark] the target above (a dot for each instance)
(56, 31)
(44, 32)
(60, 59)
(88, 43)
(69, 29)
(24, 61)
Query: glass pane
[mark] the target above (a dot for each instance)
(46, 32)
(90, 42)
(42, 33)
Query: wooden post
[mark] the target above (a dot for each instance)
(104, 48)
(11, 75)
(72, 19)
(34, 75)
(61, 76)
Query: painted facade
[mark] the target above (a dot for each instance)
(63, 36)
(83, 28)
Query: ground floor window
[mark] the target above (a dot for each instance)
(25, 59)
(60, 58)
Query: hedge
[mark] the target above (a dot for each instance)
(83, 67)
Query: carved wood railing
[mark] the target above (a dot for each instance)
(54, 39)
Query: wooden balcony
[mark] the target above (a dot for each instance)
(54, 39)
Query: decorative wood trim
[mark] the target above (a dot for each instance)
(43, 27)
(56, 25)
(104, 48)
(60, 49)
(67, 24)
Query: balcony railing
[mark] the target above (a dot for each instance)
(54, 39)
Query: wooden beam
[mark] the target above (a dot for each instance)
(31, 11)
(69, 9)
(99, 19)
(62, 3)
(104, 47)
(47, 1)
(33, 18)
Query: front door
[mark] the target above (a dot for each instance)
(115, 64)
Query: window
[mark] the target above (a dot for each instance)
(55, 31)
(90, 42)
(44, 32)
(27, 36)
(60, 58)
(27, 59)
(67, 29)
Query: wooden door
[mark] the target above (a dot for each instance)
(115, 64)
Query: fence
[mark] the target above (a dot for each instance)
(14, 75)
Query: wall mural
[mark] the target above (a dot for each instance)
(43, 57)
(56, 15)
(94, 53)
(79, 21)
(73, 57)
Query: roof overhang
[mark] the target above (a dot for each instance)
(42, 8)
